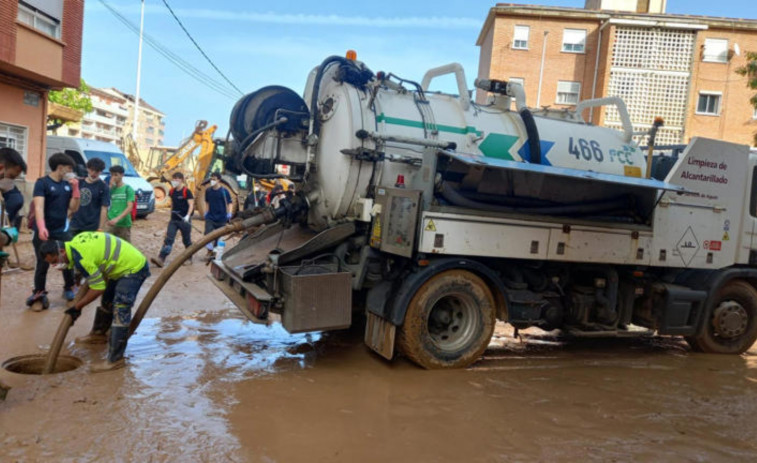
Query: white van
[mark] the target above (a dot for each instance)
(82, 150)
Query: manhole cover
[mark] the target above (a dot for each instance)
(35, 364)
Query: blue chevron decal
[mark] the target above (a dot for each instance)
(525, 151)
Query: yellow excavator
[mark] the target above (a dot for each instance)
(197, 179)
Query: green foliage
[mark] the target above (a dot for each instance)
(75, 98)
(749, 70)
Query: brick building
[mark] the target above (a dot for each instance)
(679, 67)
(40, 50)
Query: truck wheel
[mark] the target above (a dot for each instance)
(449, 321)
(731, 324)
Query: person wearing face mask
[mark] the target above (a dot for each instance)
(218, 201)
(94, 202)
(11, 166)
(122, 199)
(115, 270)
(182, 206)
(55, 197)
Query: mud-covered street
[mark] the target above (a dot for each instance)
(203, 384)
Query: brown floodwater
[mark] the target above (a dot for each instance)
(203, 384)
(214, 387)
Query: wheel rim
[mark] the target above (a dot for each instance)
(453, 321)
(730, 320)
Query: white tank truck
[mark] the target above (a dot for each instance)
(434, 217)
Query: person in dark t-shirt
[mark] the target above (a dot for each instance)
(218, 204)
(182, 206)
(94, 202)
(55, 196)
(12, 164)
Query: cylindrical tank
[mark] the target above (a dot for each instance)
(346, 105)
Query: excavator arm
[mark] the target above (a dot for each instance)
(201, 137)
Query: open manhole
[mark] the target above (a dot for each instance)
(35, 364)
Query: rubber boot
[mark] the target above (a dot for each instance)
(69, 294)
(116, 349)
(159, 261)
(38, 301)
(119, 335)
(99, 333)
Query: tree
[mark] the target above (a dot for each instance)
(74, 98)
(750, 71)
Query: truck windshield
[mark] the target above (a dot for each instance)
(113, 159)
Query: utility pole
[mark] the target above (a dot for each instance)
(139, 73)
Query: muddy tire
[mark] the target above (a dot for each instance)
(730, 326)
(449, 321)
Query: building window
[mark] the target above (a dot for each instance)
(13, 136)
(520, 38)
(709, 103)
(518, 80)
(568, 92)
(574, 40)
(149, 141)
(715, 50)
(31, 98)
(38, 20)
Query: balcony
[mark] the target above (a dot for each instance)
(108, 120)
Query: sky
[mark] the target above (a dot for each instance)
(255, 44)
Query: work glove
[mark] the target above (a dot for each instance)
(74, 314)
(228, 216)
(186, 218)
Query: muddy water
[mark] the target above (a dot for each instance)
(202, 384)
(213, 387)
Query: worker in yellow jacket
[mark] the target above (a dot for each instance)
(115, 270)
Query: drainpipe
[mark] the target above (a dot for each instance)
(541, 69)
(596, 68)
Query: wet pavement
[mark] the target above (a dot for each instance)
(202, 384)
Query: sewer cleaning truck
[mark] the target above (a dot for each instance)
(431, 217)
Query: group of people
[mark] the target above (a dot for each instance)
(83, 226)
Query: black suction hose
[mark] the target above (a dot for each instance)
(316, 87)
(457, 199)
(532, 133)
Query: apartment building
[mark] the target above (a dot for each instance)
(40, 50)
(112, 117)
(678, 67)
(105, 122)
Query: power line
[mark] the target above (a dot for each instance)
(179, 62)
(173, 58)
(165, 2)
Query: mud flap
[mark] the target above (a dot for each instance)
(379, 335)
(682, 309)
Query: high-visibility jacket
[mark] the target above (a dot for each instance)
(101, 257)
